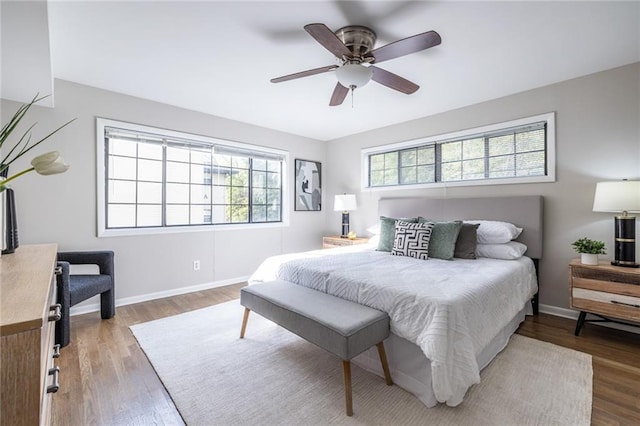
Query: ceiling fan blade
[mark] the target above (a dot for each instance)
(339, 93)
(406, 46)
(393, 81)
(306, 73)
(328, 39)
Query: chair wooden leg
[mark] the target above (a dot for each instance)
(245, 318)
(385, 364)
(346, 368)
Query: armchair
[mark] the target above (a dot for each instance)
(73, 289)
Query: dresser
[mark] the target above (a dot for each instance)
(610, 292)
(28, 312)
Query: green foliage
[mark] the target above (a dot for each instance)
(585, 245)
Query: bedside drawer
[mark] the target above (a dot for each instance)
(605, 286)
(605, 274)
(606, 303)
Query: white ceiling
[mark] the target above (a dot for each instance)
(217, 57)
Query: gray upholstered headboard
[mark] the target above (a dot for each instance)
(525, 212)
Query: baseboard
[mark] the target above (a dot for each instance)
(95, 307)
(571, 314)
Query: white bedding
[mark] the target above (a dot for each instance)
(450, 309)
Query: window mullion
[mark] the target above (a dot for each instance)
(486, 157)
(250, 191)
(438, 162)
(164, 184)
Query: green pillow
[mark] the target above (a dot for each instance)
(444, 235)
(388, 231)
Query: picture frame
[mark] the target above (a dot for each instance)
(308, 185)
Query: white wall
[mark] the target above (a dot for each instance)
(597, 138)
(62, 208)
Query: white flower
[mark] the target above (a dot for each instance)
(50, 163)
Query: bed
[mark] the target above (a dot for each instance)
(449, 318)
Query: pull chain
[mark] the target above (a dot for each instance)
(353, 88)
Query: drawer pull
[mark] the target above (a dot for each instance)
(625, 304)
(55, 372)
(56, 351)
(57, 312)
(58, 270)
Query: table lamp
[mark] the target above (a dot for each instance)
(345, 203)
(620, 197)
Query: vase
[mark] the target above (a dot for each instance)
(588, 259)
(9, 222)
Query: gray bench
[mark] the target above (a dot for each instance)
(339, 326)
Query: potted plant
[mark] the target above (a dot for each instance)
(589, 250)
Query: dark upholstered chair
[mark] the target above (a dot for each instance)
(73, 289)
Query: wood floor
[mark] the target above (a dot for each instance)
(107, 380)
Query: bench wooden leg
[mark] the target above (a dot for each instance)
(245, 318)
(385, 364)
(346, 368)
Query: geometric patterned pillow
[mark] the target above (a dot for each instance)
(412, 239)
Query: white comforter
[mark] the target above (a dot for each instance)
(450, 309)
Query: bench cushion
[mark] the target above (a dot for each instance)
(339, 326)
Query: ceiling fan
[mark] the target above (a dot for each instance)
(353, 47)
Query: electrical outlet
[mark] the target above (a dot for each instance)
(196, 265)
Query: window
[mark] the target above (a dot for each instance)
(158, 179)
(515, 152)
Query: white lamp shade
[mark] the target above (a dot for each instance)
(617, 197)
(353, 75)
(345, 202)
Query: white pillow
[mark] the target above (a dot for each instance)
(374, 229)
(495, 232)
(507, 251)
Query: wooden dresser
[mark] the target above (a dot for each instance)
(28, 313)
(610, 292)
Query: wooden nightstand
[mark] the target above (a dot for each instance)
(605, 291)
(337, 241)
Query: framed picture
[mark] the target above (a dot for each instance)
(308, 191)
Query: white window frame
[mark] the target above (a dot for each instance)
(103, 231)
(549, 118)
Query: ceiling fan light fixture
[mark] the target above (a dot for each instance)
(353, 76)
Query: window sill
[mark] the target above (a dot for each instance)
(129, 232)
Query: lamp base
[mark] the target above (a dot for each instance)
(345, 225)
(625, 264)
(625, 242)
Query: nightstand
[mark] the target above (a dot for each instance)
(337, 241)
(605, 291)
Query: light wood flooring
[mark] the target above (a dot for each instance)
(106, 379)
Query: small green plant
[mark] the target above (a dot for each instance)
(585, 245)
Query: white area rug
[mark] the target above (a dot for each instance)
(272, 377)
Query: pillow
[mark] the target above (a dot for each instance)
(388, 231)
(412, 239)
(374, 229)
(467, 241)
(495, 232)
(507, 251)
(443, 238)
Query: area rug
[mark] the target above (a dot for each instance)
(272, 377)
